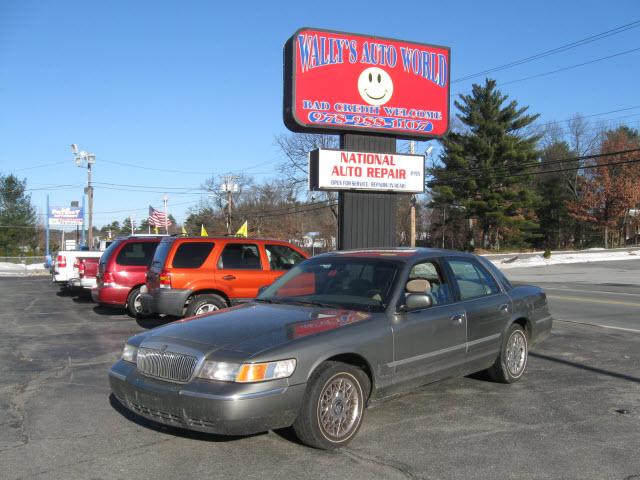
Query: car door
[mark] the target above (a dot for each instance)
(241, 270)
(429, 343)
(486, 306)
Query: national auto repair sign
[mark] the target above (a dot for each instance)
(352, 82)
(344, 170)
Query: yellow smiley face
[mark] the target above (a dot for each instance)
(375, 86)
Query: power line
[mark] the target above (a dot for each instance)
(507, 176)
(551, 72)
(553, 51)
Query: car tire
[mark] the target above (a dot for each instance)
(202, 304)
(134, 304)
(325, 403)
(514, 353)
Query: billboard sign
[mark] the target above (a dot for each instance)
(65, 216)
(344, 170)
(351, 82)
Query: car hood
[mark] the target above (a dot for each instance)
(253, 327)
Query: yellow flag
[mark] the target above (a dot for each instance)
(243, 230)
(203, 232)
(184, 232)
(155, 229)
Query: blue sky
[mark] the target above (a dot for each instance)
(196, 86)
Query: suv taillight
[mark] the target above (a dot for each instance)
(81, 268)
(61, 261)
(165, 279)
(108, 280)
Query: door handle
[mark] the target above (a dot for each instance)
(504, 307)
(229, 277)
(457, 318)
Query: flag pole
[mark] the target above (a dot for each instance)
(166, 214)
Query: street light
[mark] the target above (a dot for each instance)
(84, 159)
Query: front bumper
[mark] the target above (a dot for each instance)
(222, 408)
(170, 301)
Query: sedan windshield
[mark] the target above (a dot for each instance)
(348, 282)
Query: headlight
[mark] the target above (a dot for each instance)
(129, 353)
(247, 372)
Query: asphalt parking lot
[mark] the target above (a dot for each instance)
(575, 415)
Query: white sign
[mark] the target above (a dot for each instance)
(344, 170)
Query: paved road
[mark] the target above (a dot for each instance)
(602, 293)
(575, 414)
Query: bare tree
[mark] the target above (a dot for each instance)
(295, 168)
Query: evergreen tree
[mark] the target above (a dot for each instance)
(554, 189)
(17, 217)
(486, 169)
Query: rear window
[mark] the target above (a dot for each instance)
(192, 254)
(161, 254)
(136, 254)
(108, 252)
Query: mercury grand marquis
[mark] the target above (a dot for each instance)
(333, 334)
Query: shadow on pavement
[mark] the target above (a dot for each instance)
(581, 366)
(175, 431)
(153, 322)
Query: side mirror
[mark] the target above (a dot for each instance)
(417, 301)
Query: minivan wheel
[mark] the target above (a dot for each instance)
(333, 406)
(512, 361)
(202, 304)
(134, 304)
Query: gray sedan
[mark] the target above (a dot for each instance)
(332, 335)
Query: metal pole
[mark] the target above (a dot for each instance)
(83, 236)
(412, 146)
(444, 222)
(165, 198)
(46, 230)
(90, 193)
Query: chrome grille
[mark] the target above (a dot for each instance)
(171, 366)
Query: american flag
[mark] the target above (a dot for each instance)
(158, 218)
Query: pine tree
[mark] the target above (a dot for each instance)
(486, 168)
(17, 217)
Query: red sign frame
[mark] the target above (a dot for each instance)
(349, 82)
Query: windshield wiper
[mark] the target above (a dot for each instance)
(295, 301)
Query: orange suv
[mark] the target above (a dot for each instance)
(194, 275)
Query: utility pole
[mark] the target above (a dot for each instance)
(229, 187)
(87, 159)
(165, 199)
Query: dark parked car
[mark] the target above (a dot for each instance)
(332, 334)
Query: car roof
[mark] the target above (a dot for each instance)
(225, 238)
(400, 253)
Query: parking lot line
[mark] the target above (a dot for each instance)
(593, 300)
(599, 292)
(623, 329)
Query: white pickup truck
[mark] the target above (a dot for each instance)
(63, 266)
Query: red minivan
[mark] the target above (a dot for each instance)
(122, 271)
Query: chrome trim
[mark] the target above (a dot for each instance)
(545, 319)
(426, 355)
(241, 396)
(423, 356)
(163, 347)
(483, 339)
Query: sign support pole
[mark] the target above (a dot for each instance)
(367, 219)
